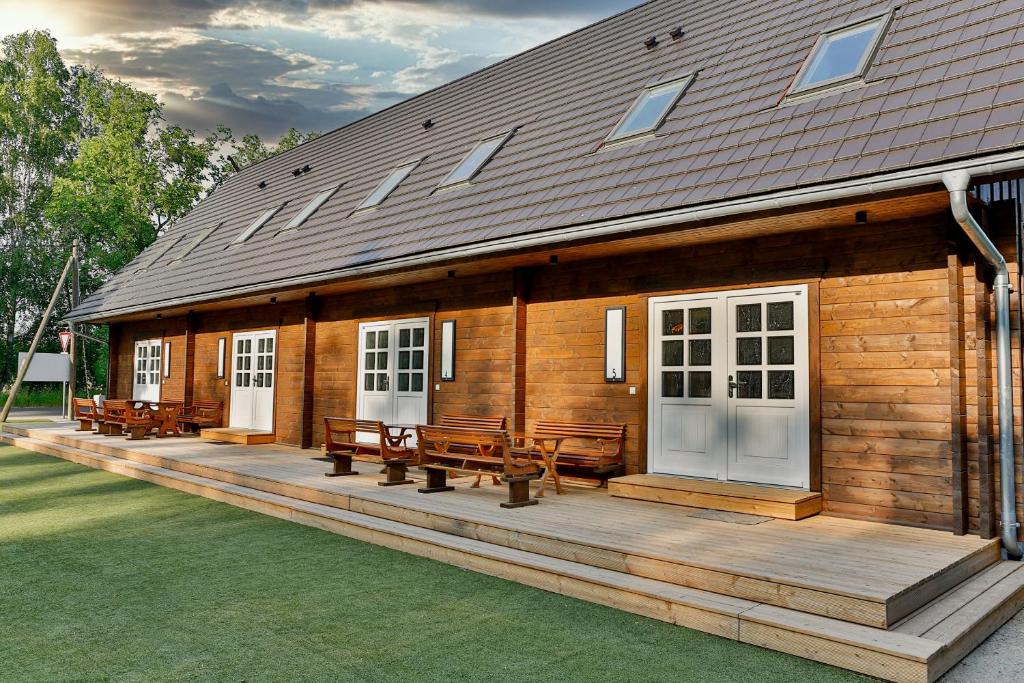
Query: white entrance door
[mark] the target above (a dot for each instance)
(146, 382)
(729, 386)
(252, 385)
(394, 357)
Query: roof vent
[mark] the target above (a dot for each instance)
(299, 171)
(677, 33)
(651, 43)
(262, 185)
(428, 124)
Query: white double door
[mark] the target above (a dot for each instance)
(252, 380)
(729, 386)
(394, 361)
(146, 378)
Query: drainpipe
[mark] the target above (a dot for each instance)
(957, 182)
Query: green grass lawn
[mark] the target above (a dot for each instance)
(108, 578)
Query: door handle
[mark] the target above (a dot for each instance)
(733, 385)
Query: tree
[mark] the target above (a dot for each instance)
(86, 157)
(38, 128)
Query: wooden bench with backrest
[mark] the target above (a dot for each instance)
(86, 412)
(491, 453)
(472, 422)
(201, 414)
(114, 411)
(341, 444)
(138, 420)
(596, 447)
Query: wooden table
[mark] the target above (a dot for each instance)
(549, 447)
(165, 416)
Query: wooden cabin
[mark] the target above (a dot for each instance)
(741, 247)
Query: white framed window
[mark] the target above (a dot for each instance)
(841, 55)
(167, 359)
(477, 158)
(196, 241)
(388, 185)
(650, 109)
(312, 207)
(260, 221)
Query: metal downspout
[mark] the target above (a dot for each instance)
(957, 182)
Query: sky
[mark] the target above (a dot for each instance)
(262, 66)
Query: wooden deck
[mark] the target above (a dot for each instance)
(894, 602)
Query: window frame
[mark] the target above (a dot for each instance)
(200, 237)
(883, 19)
(326, 193)
(261, 220)
(159, 253)
(412, 165)
(503, 139)
(685, 81)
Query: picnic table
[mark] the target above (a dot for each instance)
(549, 447)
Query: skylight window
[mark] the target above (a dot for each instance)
(650, 109)
(841, 55)
(393, 180)
(314, 204)
(477, 158)
(158, 253)
(260, 221)
(196, 241)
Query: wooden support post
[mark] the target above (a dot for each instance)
(308, 372)
(986, 475)
(520, 296)
(113, 344)
(957, 389)
(73, 355)
(190, 358)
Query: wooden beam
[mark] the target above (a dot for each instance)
(113, 347)
(520, 296)
(957, 390)
(308, 371)
(190, 358)
(986, 476)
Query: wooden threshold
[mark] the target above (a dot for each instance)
(919, 650)
(716, 495)
(243, 437)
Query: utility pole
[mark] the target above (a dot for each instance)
(72, 383)
(23, 370)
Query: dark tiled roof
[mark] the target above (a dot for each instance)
(948, 82)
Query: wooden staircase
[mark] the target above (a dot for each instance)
(744, 498)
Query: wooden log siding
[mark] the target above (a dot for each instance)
(883, 340)
(957, 394)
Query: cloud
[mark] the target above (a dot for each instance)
(266, 65)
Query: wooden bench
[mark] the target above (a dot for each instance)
(86, 412)
(492, 454)
(341, 445)
(472, 422)
(139, 421)
(202, 414)
(114, 411)
(598, 448)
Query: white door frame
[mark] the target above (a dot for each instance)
(721, 365)
(252, 420)
(152, 373)
(392, 370)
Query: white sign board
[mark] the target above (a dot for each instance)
(47, 367)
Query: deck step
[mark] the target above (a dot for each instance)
(732, 497)
(890, 655)
(699, 570)
(245, 437)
